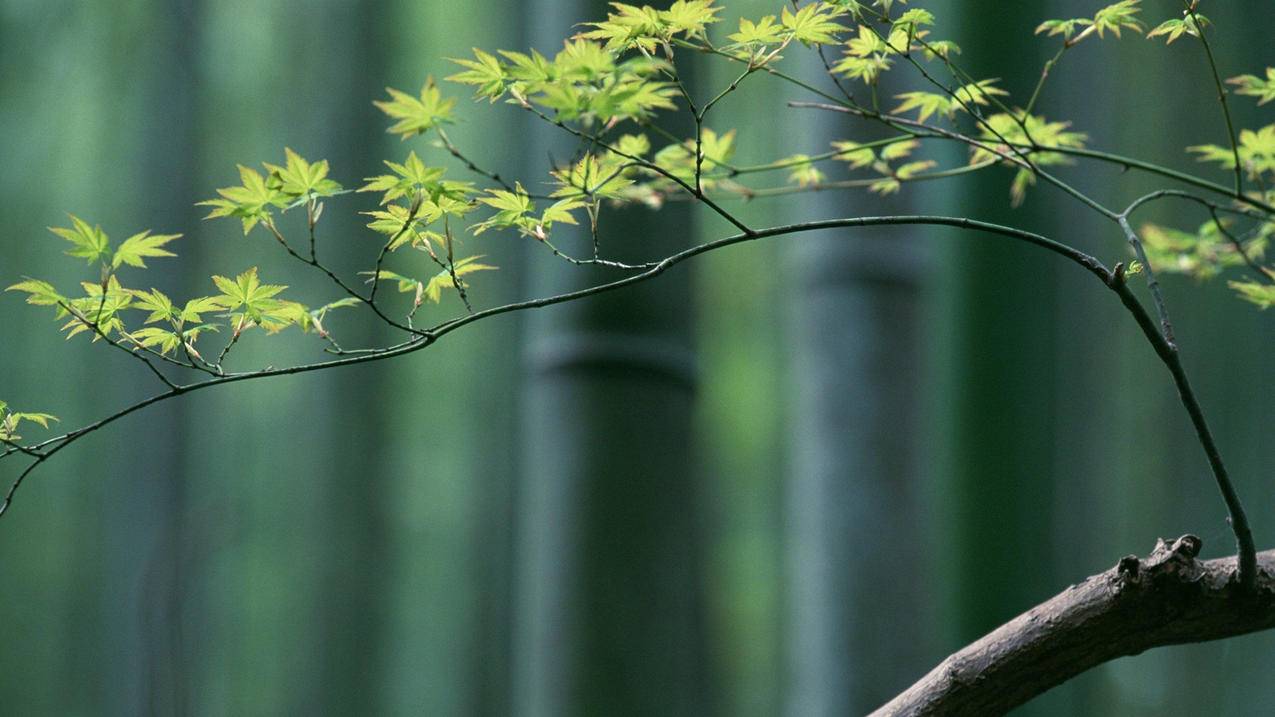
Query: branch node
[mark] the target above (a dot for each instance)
(1182, 552)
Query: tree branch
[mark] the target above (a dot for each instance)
(422, 339)
(1168, 598)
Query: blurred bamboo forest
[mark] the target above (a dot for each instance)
(786, 480)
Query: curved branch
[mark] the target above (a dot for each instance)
(1168, 598)
(1169, 356)
(426, 338)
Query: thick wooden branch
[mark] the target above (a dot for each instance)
(1168, 598)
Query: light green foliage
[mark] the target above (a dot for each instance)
(633, 145)
(163, 309)
(39, 293)
(448, 277)
(140, 246)
(1113, 18)
(403, 229)
(867, 56)
(1204, 254)
(1261, 294)
(766, 31)
(1173, 29)
(184, 324)
(313, 319)
(252, 303)
(93, 245)
(88, 242)
(893, 177)
(888, 164)
(859, 8)
(928, 104)
(1254, 86)
(432, 290)
(679, 159)
(516, 210)
(1066, 28)
(1211, 250)
(98, 311)
(250, 201)
(624, 69)
(585, 81)
(1216, 246)
(413, 178)
(1256, 149)
(600, 177)
(854, 154)
(417, 115)
(1031, 131)
(11, 420)
(298, 177)
(804, 172)
(646, 28)
(813, 23)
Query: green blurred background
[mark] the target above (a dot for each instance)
(785, 480)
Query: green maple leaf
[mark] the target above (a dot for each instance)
(804, 173)
(300, 178)
(39, 293)
(100, 306)
(156, 302)
(1120, 15)
(1042, 133)
(866, 57)
(560, 211)
(853, 153)
(195, 308)
(899, 150)
(581, 59)
(691, 17)
(813, 24)
(1254, 86)
(1261, 295)
(89, 242)
(766, 31)
(443, 279)
(633, 145)
(250, 202)
(417, 115)
(915, 17)
(9, 422)
(153, 337)
(140, 246)
(406, 284)
(926, 104)
(252, 303)
(1256, 149)
(315, 317)
(629, 26)
(512, 211)
(591, 177)
(717, 148)
(398, 222)
(1066, 28)
(912, 169)
(486, 72)
(410, 177)
(530, 68)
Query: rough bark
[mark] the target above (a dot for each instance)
(1168, 598)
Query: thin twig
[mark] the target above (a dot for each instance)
(1221, 93)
